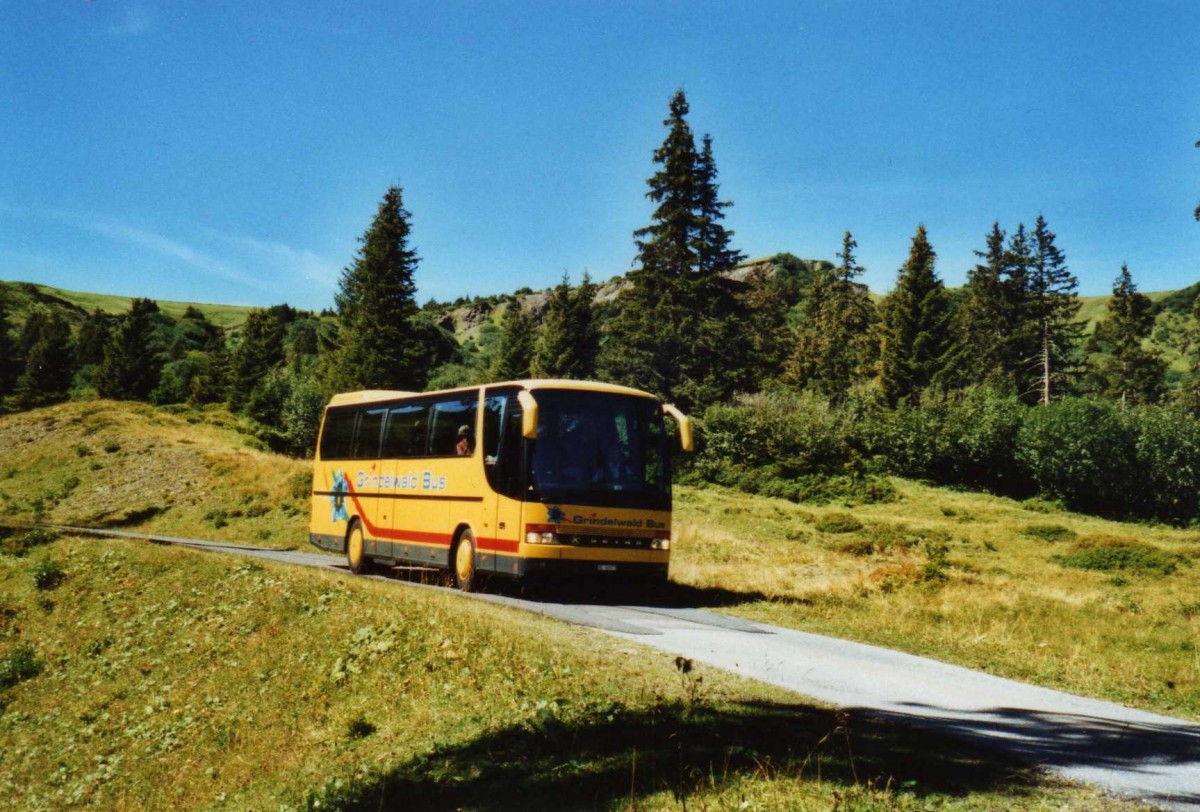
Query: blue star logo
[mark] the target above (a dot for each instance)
(338, 497)
(556, 515)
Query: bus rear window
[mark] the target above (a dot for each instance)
(337, 442)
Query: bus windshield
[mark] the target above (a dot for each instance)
(601, 449)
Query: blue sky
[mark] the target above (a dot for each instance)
(235, 151)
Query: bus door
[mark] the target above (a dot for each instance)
(406, 438)
(367, 475)
(502, 448)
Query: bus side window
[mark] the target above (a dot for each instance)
(448, 417)
(337, 441)
(406, 434)
(502, 443)
(366, 439)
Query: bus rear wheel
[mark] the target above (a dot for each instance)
(356, 557)
(465, 577)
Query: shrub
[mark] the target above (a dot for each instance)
(48, 574)
(1048, 532)
(359, 728)
(1107, 553)
(1082, 451)
(20, 663)
(20, 542)
(1168, 454)
(838, 523)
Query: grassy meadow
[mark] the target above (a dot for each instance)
(134, 676)
(1023, 590)
(157, 470)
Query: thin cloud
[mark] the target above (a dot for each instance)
(135, 20)
(175, 249)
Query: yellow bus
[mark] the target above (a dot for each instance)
(536, 479)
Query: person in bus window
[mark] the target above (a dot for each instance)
(463, 448)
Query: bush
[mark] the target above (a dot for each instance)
(48, 574)
(20, 542)
(1048, 532)
(19, 664)
(1107, 553)
(1168, 454)
(1082, 451)
(838, 523)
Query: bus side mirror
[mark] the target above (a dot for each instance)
(529, 414)
(686, 439)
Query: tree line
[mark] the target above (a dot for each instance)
(689, 323)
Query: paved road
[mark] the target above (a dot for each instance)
(1150, 758)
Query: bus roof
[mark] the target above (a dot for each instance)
(375, 395)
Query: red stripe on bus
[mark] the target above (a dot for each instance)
(418, 537)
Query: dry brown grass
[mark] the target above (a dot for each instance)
(956, 576)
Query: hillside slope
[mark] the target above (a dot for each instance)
(134, 676)
(161, 470)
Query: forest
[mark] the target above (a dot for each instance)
(806, 385)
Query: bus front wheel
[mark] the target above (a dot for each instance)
(356, 557)
(464, 562)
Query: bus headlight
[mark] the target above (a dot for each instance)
(540, 537)
(660, 544)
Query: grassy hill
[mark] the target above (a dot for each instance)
(139, 677)
(23, 295)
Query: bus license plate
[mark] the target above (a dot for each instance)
(607, 567)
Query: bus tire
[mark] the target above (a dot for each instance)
(356, 556)
(463, 564)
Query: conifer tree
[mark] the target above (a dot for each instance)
(1129, 373)
(514, 351)
(568, 338)
(259, 351)
(832, 347)
(676, 329)
(8, 350)
(49, 359)
(132, 358)
(376, 304)
(1053, 305)
(93, 335)
(984, 321)
(915, 328)
(767, 338)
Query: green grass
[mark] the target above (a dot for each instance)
(226, 316)
(173, 471)
(168, 678)
(981, 581)
(139, 677)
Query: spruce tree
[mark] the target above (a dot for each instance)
(1129, 372)
(915, 328)
(132, 358)
(832, 348)
(8, 349)
(49, 359)
(376, 305)
(984, 321)
(93, 335)
(260, 350)
(676, 332)
(767, 339)
(1053, 305)
(568, 338)
(514, 351)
